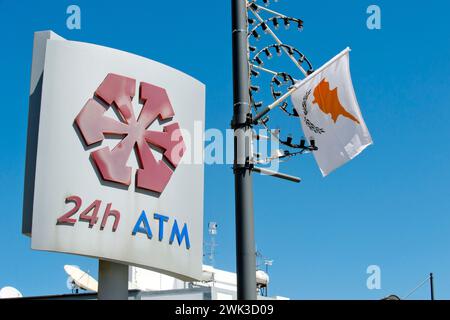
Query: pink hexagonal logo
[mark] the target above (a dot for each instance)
(117, 92)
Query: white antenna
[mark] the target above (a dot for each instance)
(10, 293)
(79, 279)
(268, 263)
(212, 230)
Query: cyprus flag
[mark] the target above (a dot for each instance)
(330, 114)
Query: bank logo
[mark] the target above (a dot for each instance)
(117, 92)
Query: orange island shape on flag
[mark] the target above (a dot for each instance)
(328, 102)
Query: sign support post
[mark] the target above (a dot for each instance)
(245, 236)
(112, 280)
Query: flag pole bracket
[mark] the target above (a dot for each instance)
(248, 123)
(266, 172)
(276, 174)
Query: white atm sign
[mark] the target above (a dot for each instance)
(105, 170)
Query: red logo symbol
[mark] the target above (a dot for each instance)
(117, 92)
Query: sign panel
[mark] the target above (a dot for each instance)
(109, 174)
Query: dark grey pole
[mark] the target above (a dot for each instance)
(432, 286)
(245, 236)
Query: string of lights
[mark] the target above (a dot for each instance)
(281, 81)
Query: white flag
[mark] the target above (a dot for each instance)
(330, 114)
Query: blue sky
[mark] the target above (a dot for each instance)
(389, 207)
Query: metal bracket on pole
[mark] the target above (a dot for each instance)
(276, 174)
(248, 123)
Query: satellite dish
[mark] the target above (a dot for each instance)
(262, 278)
(9, 293)
(80, 279)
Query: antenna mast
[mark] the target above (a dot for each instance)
(212, 230)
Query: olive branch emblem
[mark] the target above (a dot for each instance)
(308, 122)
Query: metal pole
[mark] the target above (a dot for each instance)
(245, 237)
(432, 286)
(112, 281)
